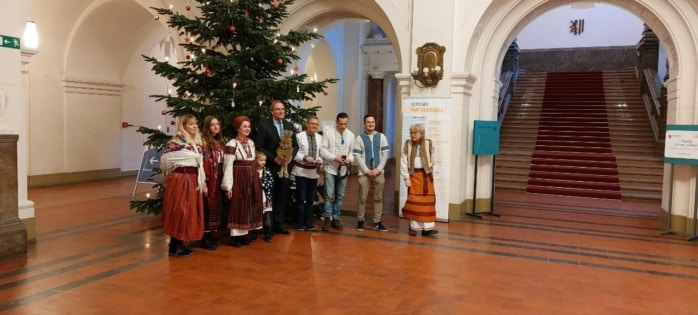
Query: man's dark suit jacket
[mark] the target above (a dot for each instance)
(267, 141)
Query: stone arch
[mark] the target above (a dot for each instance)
(325, 13)
(504, 19)
(111, 29)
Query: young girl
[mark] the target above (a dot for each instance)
(267, 183)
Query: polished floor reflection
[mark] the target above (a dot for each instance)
(544, 255)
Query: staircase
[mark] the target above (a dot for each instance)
(579, 134)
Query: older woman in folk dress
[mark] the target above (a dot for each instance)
(416, 167)
(182, 206)
(242, 184)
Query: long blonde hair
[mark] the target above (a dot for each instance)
(181, 122)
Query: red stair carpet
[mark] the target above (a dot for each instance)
(573, 155)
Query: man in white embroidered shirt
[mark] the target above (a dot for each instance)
(337, 144)
(308, 161)
(371, 154)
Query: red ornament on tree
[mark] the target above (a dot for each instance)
(261, 20)
(232, 28)
(188, 57)
(172, 122)
(276, 4)
(186, 39)
(280, 61)
(164, 112)
(325, 92)
(207, 71)
(188, 7)
(125, 125)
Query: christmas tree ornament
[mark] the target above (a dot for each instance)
(276, 4)
(164, 112)
(207, 70)
(187, 39)
(280, 61)
(188, 8)
(172, 122)
(295, 68)
(187, 57)
(325, 92)
(232, 28)
(261, 20)
(157, 17)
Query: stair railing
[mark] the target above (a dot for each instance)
(651, 101)
(505, 93)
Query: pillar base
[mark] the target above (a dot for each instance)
(13, 238)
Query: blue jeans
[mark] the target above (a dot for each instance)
(335, 186)
(306, 190)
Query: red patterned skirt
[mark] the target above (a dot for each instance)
(421, 198)
(213, 204)
(183, 205)
(246, 204)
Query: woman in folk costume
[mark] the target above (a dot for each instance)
(213, 166)
(242, 184)
(416, 167)
(182, 206)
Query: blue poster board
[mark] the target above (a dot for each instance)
(681, 144)
(151, 160)
(486, 137)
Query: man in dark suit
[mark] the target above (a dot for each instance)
(267, 141)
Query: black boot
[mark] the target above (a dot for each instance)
(174, 245)
(177, 248)
(253, 236)
(268, 233)
(243, 240)
(235, 241)
(207, 242)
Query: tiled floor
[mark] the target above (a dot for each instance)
(544, 255)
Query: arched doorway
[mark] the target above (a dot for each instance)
(503, 20)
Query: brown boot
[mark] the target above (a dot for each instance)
(337, 224)
(326, 224)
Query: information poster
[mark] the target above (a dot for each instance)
(681, 144)
(436, 116)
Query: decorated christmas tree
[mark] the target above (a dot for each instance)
(237, 61)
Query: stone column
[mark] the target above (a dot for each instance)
(376, 106)
(13, 235)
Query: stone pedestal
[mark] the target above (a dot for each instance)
(13, 235)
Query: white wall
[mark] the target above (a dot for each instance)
(139, 109)
(604, 25)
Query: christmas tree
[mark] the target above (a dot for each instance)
(236, 62)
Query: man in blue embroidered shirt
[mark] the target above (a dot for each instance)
(371, 154)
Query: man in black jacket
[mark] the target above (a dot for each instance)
(267, 140)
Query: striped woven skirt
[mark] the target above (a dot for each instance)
(421, 198)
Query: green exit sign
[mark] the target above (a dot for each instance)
(9, 41)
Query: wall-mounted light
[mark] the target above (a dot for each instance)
(430, 62)
(31, 36)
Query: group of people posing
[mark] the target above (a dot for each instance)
(211, 185)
